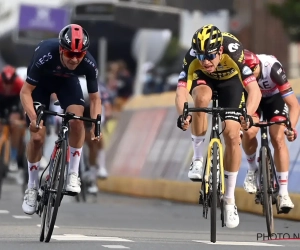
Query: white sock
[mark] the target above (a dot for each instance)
(283, 183)
(33, 173)
(75, 154)
(251, 162)
(101, 158)
(198, 145)
(230, 182)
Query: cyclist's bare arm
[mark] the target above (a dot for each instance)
(293, 105)
(279, 77)
(181, 97)
(26, 99)
(254, 97)
(95, 105)
(185, 80)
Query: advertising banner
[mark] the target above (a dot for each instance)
(40, 22)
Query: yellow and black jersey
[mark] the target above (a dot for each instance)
(231, 64)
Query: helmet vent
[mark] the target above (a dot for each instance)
(77, 41)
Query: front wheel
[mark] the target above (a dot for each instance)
(214, 195)
(56, 183)
(267, 197)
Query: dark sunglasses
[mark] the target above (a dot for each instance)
(203, 57)
(71, 54)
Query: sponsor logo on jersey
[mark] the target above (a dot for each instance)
(192, 52)
(249, 79)
(182, 75)
(195, 76)
(233, 47)
(247, 71)
(181, 84)
(279, 71)
(43, 59)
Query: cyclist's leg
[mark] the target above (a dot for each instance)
(34, 151)
(201, 92)
(71, 100)
(230, 94)
(101, 161)
(16, 131)
(271, 107)
(250, 144)
(90, 175)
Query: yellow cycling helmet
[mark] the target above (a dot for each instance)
(207, 39)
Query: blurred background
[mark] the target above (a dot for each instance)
(146, 39)
(139, 46)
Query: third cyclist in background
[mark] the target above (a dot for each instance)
(278, 99)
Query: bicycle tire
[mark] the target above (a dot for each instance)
(58, 168)
(2, 166)
(267, 198)
(43, 220)
(214, 196)
(25, 174)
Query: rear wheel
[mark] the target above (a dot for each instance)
(267, 197)
(56, 183)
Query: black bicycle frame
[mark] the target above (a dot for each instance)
(265, 143)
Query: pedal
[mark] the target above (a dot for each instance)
(69, 193)
(201, 198)
(284, 210)
(196, 180)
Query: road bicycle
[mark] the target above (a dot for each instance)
(213, 184)
(268, 185)
(51, 192)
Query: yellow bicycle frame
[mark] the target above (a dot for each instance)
(208, 164)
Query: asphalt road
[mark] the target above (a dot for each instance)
(117, 222)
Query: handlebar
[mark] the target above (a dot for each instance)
(217, 110)
(262, 124)
(67, 116)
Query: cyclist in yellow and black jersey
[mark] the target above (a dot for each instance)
(215, 62)
(231, 64)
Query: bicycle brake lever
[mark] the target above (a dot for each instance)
(98, 125)
(185, 110)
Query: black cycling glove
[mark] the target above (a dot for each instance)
(180, 121)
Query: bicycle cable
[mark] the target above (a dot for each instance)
(43, 173)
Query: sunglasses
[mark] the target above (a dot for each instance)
(71, 54)
(254, 68)
(203, 57)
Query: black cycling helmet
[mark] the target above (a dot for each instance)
(207, 39)
(74, 38)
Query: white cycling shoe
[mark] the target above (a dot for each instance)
(250, 182)
(196, 170)
(232, 219)
(73, 183)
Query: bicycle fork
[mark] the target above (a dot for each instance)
(206, 188)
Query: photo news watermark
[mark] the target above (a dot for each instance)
(277, 236)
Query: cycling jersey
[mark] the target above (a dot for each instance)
(46, 62)
(13, 89)
(272, 79)
(231, 64)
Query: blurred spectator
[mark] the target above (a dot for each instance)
(119, 83)
(125, 85)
